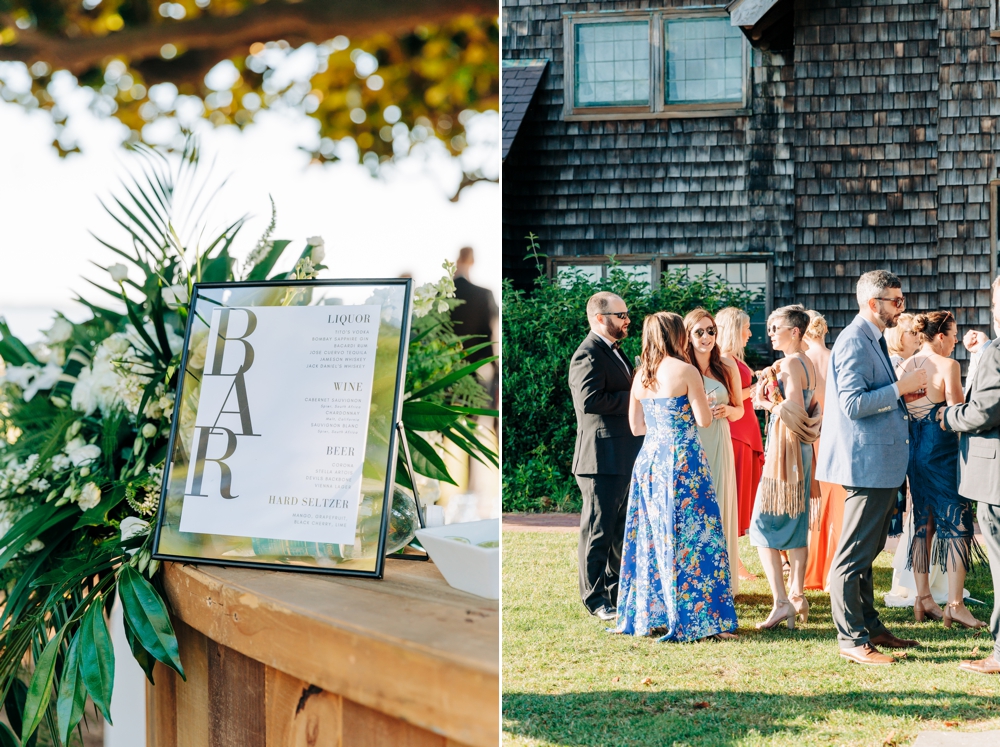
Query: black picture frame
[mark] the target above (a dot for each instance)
(393, 431)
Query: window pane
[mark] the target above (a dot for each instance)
(704, 61)
(612, 64)
(639, 273)
(566, 273)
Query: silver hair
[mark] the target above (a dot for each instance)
(873, 284)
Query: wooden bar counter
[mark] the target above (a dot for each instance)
(281, 659)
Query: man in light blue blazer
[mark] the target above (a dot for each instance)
(865, 447)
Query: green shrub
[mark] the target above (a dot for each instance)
(541, 330)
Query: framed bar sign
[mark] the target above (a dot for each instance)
(283, 444)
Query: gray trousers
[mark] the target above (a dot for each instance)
(602, 532)
(867, 513)
(989, 523)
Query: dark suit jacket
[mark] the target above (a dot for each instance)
(600, 388)
(978, 422)
(475, 316)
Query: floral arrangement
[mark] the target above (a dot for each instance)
(84, 425)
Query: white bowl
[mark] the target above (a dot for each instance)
(466, 566)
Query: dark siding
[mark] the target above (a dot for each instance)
(967, 140)
(652, 186)
(865, 150)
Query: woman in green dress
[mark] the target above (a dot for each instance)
(722, 384)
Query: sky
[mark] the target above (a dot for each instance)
(401, 222)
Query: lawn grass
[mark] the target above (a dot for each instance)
(568, 682)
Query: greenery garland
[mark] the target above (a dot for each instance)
(84, 424)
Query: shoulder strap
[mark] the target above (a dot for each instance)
(806, 369)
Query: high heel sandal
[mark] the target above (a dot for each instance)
(788, 618)
(801, 606)
(919, 611)
(949, 618)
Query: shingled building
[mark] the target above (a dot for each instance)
(788, 146)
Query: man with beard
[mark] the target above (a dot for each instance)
(600, 379)
(865, 448)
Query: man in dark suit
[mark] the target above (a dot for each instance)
(477, 315)
(978, 422)
(600, 379)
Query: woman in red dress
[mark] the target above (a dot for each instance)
(826, 515)
(748, 447)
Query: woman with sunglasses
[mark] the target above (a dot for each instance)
(942, 519)
(722, 385)
(781, 511)
(675, 569)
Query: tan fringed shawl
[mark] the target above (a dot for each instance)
(782, 485)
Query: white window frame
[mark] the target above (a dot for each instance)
(657, 108)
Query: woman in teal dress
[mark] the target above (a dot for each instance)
(780, 518)
(675, 567)
(723, 387)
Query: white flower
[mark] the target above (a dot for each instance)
(41, 351)
(34, 546)
(60, 331)
(59, 462)
(318, 248)
(90, 496)
(148, 430)
(175, 296)
(83, 454)
(119, 272)
(133, 527)
(33, 379)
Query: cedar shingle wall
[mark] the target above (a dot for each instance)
(967, 140)
(641, 186)
(865, 150)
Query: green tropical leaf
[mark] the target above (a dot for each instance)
(145, 659)
(219, 269)
(97, 657)
(14, 706)
(147, 615)
(7, 737)
(260, 270)
(72, 695)
(427, 416)
(40, 689)
(12, 350)
(426, 460)
(446, 381)
(98, 515)
(475, 411)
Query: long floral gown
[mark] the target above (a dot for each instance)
(675, 569)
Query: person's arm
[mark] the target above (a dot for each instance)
(953, 384)
(982, 411)
(857, 399)
(696, 396)
(636, 416)
(794, 383)
(587, 382)
(734, 412)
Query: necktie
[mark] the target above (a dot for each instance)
(885, 352)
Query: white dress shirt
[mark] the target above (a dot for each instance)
(878, 333)
(617, 352)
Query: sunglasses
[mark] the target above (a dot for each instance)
(773, 329)
(619, 314)
(900, 302)
(710, 331)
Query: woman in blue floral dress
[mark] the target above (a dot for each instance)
(675, 569)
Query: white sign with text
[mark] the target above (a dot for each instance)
(279, 439)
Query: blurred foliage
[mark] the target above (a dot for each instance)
(427, 82)
(541, 330)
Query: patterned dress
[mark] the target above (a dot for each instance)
(675, 568)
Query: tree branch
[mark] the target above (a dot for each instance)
(311, 20)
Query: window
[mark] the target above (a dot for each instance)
(751, 276)
(662, 63)
(597, 271)
(612, 64)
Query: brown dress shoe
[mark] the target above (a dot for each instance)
(989, 665)
(888, 640)
(866, 654)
